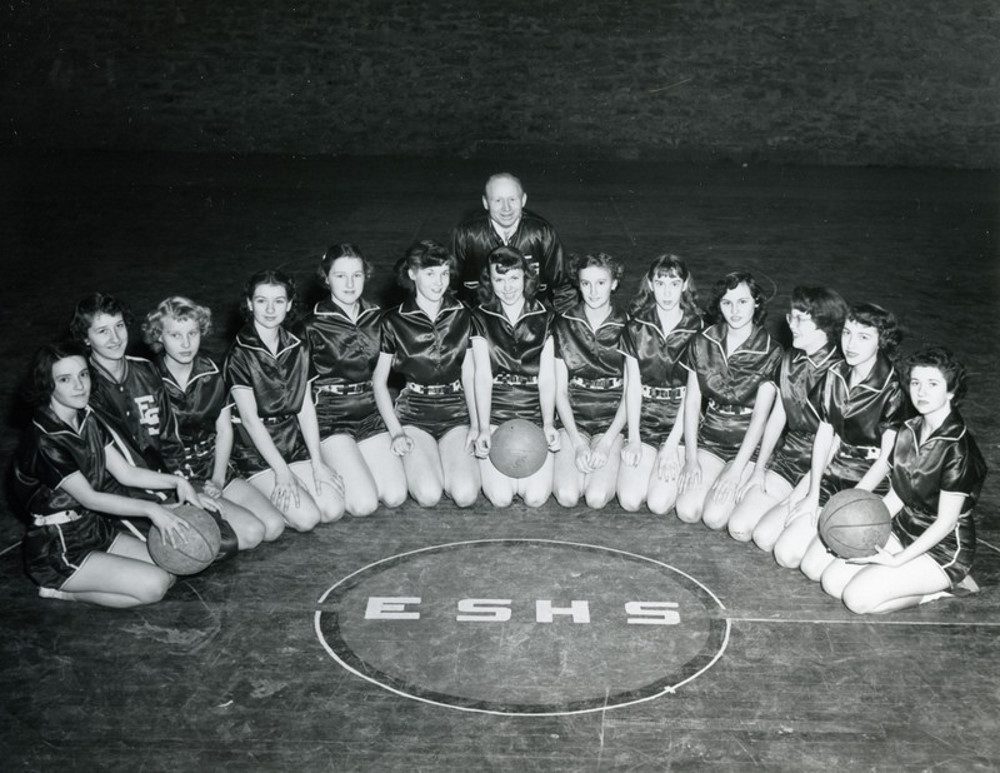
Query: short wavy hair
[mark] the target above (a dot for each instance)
(731, 281)
(942, 358)
(667, 265)
(269, 276)
(610, 263)
(424, 254)
(337, 251)
(890, 334)
(824, 306)
(87, 310)
(39, 389)
(506, 259)
(179, 309)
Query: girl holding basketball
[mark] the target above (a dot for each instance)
(343, 334)
(663, 319)
(433, 424)
(198, 399)
(861, 411)
(588, 366)
(515, 371)
(277, 445)
(67, 476)
(733, 365)
(816, 319)
(937, 475)
(129, 396)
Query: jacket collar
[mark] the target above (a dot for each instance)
(202, 367)
(50, 424)
(689, 322)
(951, 430)
(578, 314)
(409, 307)
(494, 308)
(876, 381)
(328, 308)
(817, 359)
(249, 339)
(759, 341)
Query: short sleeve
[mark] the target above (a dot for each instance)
(962, 470)
(893, 410)
(690, 358)
(626, 344)
(237, 370)
(387, 337)
(55, 463)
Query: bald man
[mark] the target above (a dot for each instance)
(506, 222)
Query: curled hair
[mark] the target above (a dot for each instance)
(424, 254)
(665, 265)
(609, 263)
(89, 308)
(824, 306)
(337, 251)
(39, 389)
(269, 276)
(506, 259)
(939, 357)
(179, 309)
(884, 321)
(731, 281)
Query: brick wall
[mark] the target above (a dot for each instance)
(820, 81)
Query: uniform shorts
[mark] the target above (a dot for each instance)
(434, 414)
(794, 458)
(52, 554)
(287, 437)
(594, 409)
(515, 401)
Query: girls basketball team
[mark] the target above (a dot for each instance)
(672, 406)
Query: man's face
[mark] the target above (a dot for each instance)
(504, 200)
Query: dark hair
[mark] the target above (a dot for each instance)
(341, 250)
(826, 308)
(424, 254)
(870, 315)
(506, 259)
(40, 389)
(667, 265)
(939, 357)
(611, 264)
(178, 308)
(87, 309)
(268, 276)
(731, 281)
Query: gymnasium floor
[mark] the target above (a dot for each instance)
(269, 661)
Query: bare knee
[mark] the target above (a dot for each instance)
(597, 499)
(250, 534)
(857, 600)
(395, 497)
(535, 498)
(363, 505)
(426, 494)
(787, 555)
(464, 495)
(304, 517)
(630, 501)
(150, 587)
(689, 509)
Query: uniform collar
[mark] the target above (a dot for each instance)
(951, 430)
(409, 307)
(579, 314)
(759, 341)
(202, 367)
(328, 308)
(494, 308)
(817, 360)
(876, 381)
(106, 374)
(689, 322)
(50, 424)
(249, 339)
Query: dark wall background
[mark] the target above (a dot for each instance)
(907, 82)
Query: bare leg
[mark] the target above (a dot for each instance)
(118, 579)
(386, 468)
(816, 559)
(634, 482)
(795, 539)
(567, 480)
(749, 510)
(879, 589)
(716, 512)
(536, 489)
(662, 494)
(249, 531)
(460, 467)
(600, 484)
(498, 488)
(773, 523)
(342, 454)
(422, 467)
(302, 516)
(246, 496)
(328, 501)
(691, 502)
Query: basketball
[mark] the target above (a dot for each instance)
(518, 448)
(195, 551)
(854, 523)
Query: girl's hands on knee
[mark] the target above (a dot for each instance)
(472, 441)
(667, 465)
(600, 454)
(401, 444)
(724, 488)
(756, 480)
(551, 437)
(482, 443)
(632, 453)
(326, 476)
(807, 507)
(212, 489)
(690, 476)
(582, 457)
(285, 493)
(186, 493)
(882, 557)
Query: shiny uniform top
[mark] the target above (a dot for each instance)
(196, 408)
(53, 451)
(659, 357)
(731, 379)
(948, 460)
(278, 381)
(343, 351)
(50, 452)
(861, 414)
(800, 387)
(137, 410)
(474, 239)
(514, 349)
(426, 352)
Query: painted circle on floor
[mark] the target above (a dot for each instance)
(523, 626)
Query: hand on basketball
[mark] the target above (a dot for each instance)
(212, 488)
(285, 493)
(882, 557)
(326, 476)
(187, 494)
(551, 437)
(171, 527)
(632, 454)
(668, 467)
(482, 443)
(402, 444)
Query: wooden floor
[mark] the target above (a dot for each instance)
(228, 672)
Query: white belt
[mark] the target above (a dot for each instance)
(55, 519)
